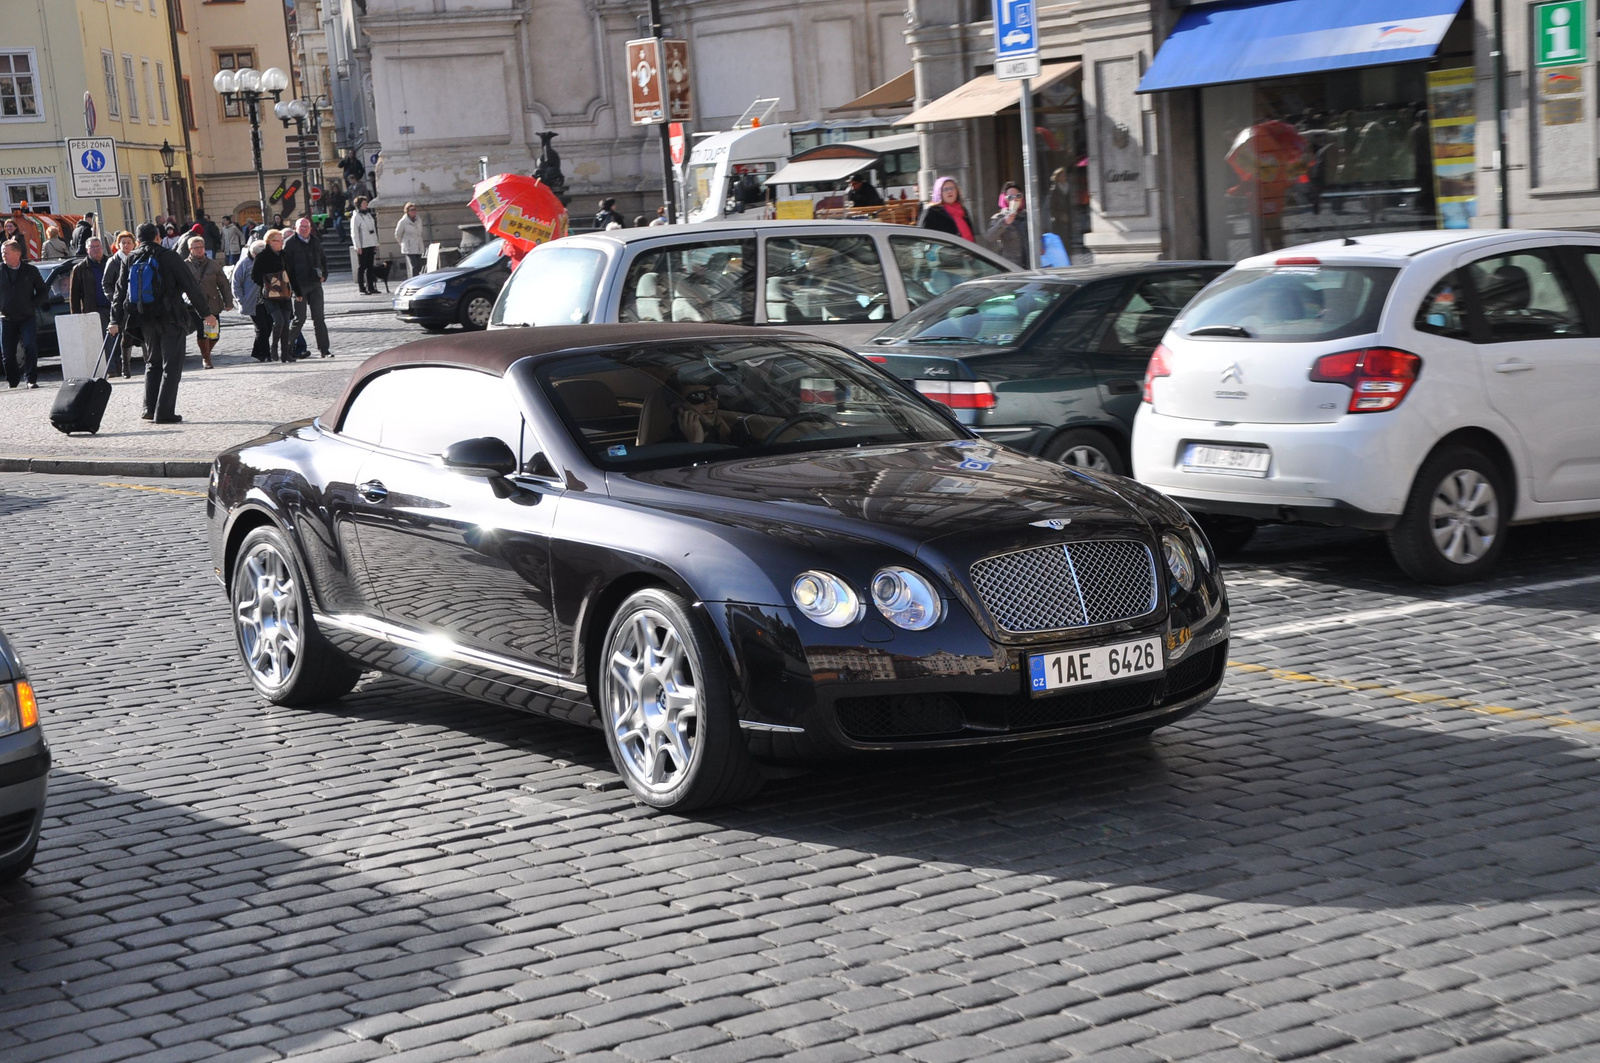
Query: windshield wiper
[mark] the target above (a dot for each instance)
(951, 339)
(1221, 330)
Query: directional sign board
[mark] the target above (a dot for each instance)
(93, 161)
(645, 83)
(1016, 40)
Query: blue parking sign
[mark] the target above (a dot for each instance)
(1015, 34)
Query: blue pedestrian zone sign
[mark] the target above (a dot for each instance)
(1016, 40)
(93, 161)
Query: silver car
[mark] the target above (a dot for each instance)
(839, 280)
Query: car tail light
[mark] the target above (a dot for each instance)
(1378, 377)
(1156, 368)
(958, 394)
(1299, 260)
(881, 359)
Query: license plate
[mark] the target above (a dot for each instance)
(402, 302)
(1094, 665)
(1240, 461)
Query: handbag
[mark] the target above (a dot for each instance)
(277, 286)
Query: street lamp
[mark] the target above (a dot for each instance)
(307, 117)
(167, 158)
(249, 87)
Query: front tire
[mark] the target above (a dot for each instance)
(1085, 448)
(286, 657)
(1454, 525)
(667, 707)
(475, 310)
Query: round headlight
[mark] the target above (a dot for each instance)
(906, 599)
(1180, 562)
(826, 598)
(1201, 551)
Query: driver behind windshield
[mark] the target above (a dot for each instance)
(696, 417)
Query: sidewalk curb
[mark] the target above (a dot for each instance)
(185, 468)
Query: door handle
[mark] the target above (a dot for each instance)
(1122, 387)
(373, 491)
(1513, 367)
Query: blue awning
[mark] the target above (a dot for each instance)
(1255, 39)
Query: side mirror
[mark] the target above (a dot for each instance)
(484, 456)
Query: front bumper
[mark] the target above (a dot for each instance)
(24, 782)
(427, 310)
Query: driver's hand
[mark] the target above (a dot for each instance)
(690, 424)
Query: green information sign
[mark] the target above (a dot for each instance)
(1561, 33)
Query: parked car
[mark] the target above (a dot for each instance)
(1049, 362)
(1436, 386)
(24, 767)
(463, 294)
(838, 280)
(721, 545)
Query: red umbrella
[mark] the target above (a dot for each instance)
(521, 210)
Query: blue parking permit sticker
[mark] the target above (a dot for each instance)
(1036, 672)
(975, 465)
(963, 444)
(618, 451)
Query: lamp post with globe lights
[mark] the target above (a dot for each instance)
(248, 88)
(307, 118)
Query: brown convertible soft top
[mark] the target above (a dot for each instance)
(496, 350)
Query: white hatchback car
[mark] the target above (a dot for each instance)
(1438, 386)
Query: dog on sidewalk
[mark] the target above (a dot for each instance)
(380, 271)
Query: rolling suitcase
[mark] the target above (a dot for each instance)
(81, 403)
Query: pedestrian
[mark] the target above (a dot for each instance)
(608, 214)
(364, 235)
(115, 264)
(81, 233)
(1007, 234)
(1060, 204)
(352, 167)
(232, 240)
(10, 230)
(336, 204)
(149, 301)
(23, 292)
(861, 193)
(54, 247)
(277, 221)
(277, 293)
(214, 283)
(661, 215)
(251, 305)
(170, 238)
(408, 233)
(308, 271)
(947, 214)
(209, 230)
(86, 288)
(640, 221)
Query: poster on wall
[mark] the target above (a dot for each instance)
(1453, 120)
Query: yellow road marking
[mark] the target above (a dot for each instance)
(1383, 690)
(157, 490)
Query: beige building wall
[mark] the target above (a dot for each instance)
(219, 35)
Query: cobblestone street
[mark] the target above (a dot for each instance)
(1377, 844)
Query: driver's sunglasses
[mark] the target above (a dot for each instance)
(1013, 195)
(697, 397)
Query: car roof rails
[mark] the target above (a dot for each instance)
(758, 113)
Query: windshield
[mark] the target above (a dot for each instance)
(667, 406)
(553, 285)
(483, 255)
(992, 313)
(1290, 304)
(700, 188)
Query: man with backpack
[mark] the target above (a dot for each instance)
(149, 304)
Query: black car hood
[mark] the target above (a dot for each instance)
(910, 496)
(453, 273)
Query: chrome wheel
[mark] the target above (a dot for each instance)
(1087, 457)
(1464, 516)
(266, 610)
(475, 315)
(652, 703)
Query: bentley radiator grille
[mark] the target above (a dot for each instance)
(1050, 588)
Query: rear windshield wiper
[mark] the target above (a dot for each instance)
(949, 339)
(1221, 330)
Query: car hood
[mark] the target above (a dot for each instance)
(960, 500)
(451, 274)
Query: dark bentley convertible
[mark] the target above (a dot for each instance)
(721, 545)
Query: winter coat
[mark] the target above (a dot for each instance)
(364, 229)
(306, 263)
(20, 238)
(214, 282)
(245, 289)
(54, 248)
(115, 264)
(267, 263)
(1011, 241)
(177, 283)
(80, 236)
(941, 220)
(22, 291)
(408, 231)
(86, 292)
(232, 240)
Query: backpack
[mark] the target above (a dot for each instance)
(144, 280)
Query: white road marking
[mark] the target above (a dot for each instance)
(1300, 627)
